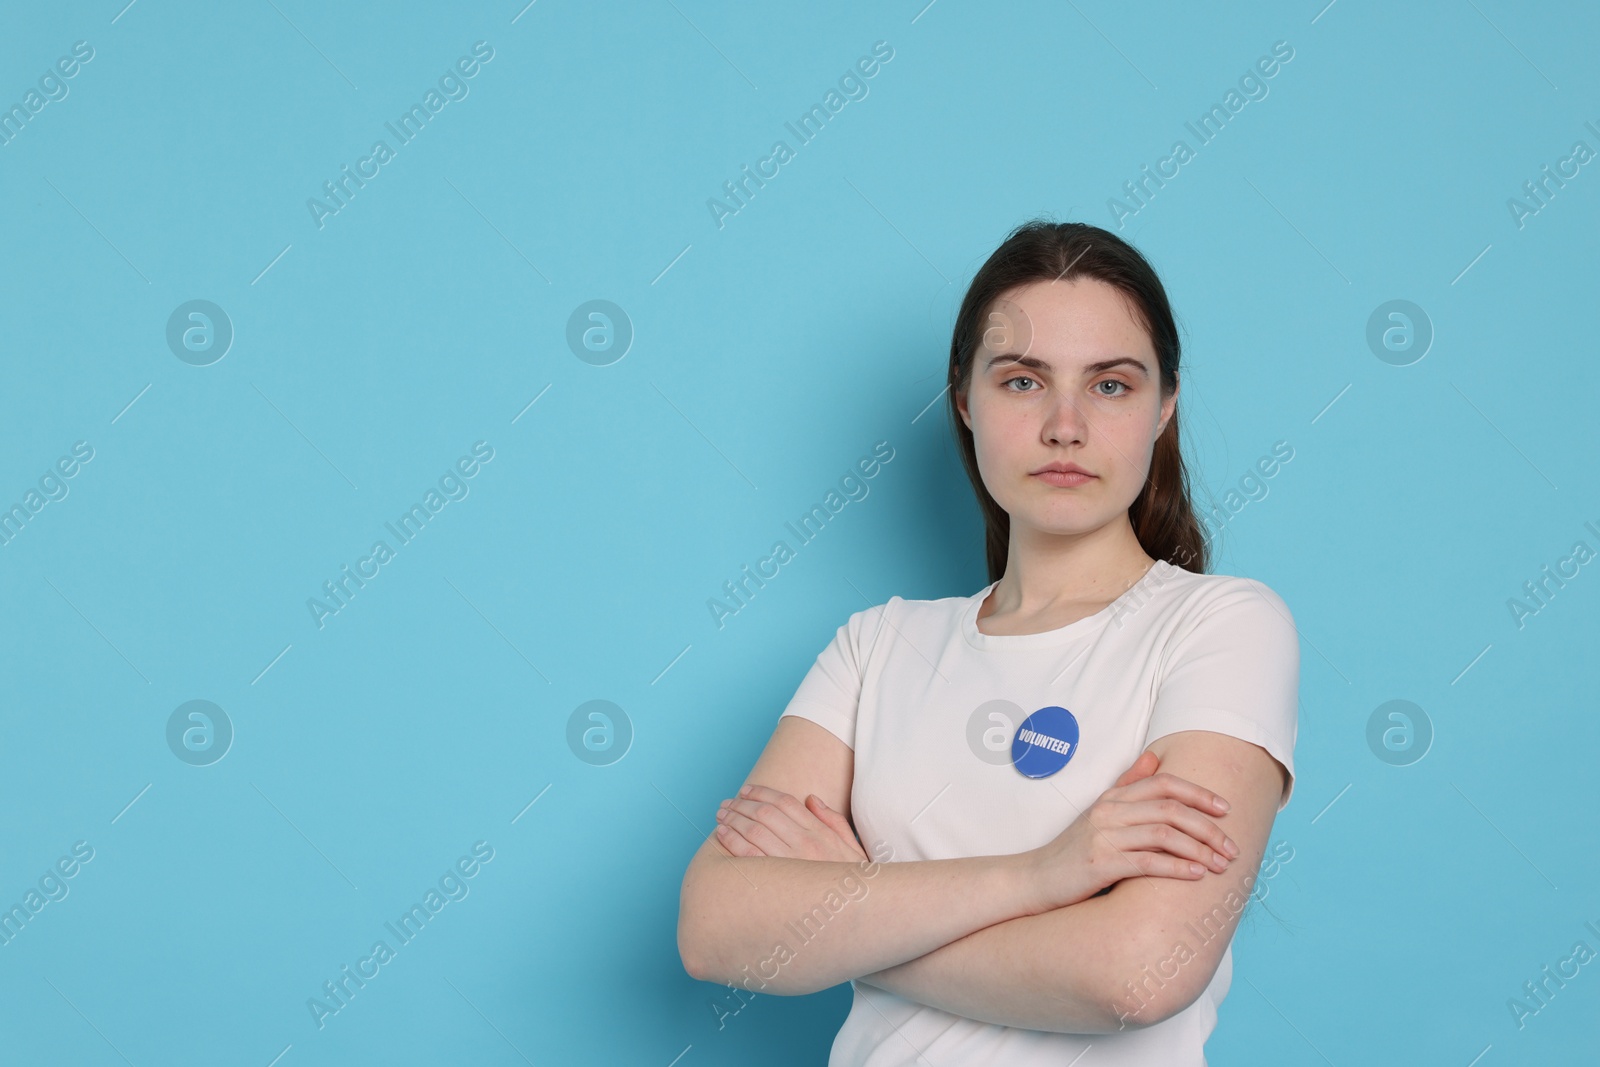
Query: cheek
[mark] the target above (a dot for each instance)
(1000, 443)
(1133, 445)
(1132, 432)
(1000, 440)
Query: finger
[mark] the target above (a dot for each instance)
(819, 807)
(757, 833)
(1180, 816)
(784, 802)
(1142, 767)
(1170, 785)
(1161, 837)
(752, 791)
(1162, 865)
(736, 843)
(779, 818)
(1122, 855)
(835, 822)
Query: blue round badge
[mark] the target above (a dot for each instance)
(1045, 742)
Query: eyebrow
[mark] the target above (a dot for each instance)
(1092, 368)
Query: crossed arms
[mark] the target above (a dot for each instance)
(975, 936)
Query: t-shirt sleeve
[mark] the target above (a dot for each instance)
(1234, 668)
(830, 693)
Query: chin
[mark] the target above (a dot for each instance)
(1061, 522)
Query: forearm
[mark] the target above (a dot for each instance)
(793, 926)
(1046, 971)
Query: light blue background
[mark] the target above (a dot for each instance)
(769, 355)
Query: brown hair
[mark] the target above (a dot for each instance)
(1162, 516)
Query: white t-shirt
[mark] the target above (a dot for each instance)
(931, 707)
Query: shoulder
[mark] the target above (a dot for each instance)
(897, 608)
(870, 618)
(915, 617)
(1206, 616)
(1200, 599)
(1230, 665)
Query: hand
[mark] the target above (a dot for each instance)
(766, 822)
(1147, 824)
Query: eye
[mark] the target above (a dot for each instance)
(1113, 381)
(1019, 378)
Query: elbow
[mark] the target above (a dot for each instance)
(712, 949)
(705, 960)
(691, 940)
(701, 961)
(702, 938)
(700, 958)
(699, 953)
(1141, 991)
(688, 954)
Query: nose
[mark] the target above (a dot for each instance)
(1065, 423)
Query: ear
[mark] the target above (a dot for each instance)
(961, 407)
(1168, 406)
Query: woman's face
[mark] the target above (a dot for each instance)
(1064, 373)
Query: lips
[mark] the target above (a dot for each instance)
(1064, 479)
(1063, 475)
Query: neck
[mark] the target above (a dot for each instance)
(1092, 567)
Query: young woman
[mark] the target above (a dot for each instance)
(1036, 885)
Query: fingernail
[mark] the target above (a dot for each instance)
(744, 791)
(1223, 805)
(1231, 848)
